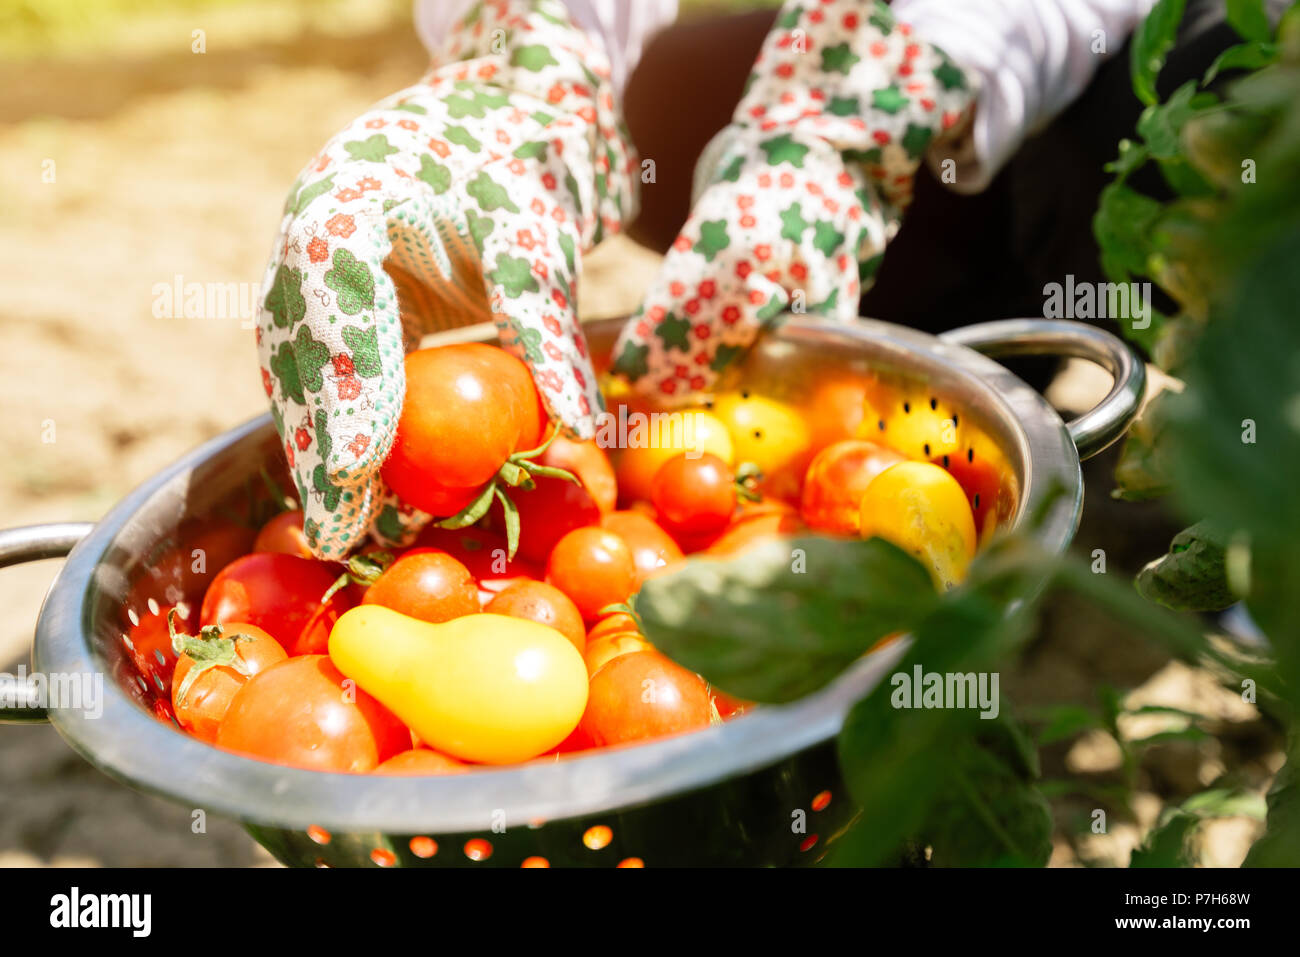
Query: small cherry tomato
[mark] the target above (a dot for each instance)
(921, 509)
(741, 534)
(547, 513)
(589, 463)
(652, 547)
(836, 479)
(612, 624)
(211, 667)
(284, 534)
(302, 712)
(981, 483)
(770, 435)
(594, 567)
(484, 553)
(544, 604)
(604, 649)
(644, 695)
(280, 594)
(421, 761)
(427, 584)
(692, 430)
(695, 495)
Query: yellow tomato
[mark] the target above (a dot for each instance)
(485, 688)
(921, 509)
(652, 442)
(917, 424)
(770, 434)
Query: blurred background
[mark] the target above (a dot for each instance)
(135, 153)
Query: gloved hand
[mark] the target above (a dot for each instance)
(467, 197)
(797, 197)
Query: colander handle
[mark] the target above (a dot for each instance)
(1100, 426)
(20, 701)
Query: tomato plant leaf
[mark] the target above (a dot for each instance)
(1249, 19)
(786, 616)
(1193, 575)
(1152, 42)
(1166, 845)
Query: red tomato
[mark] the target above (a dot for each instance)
(601, 651)
(542, 603)
(200, 707)
(594, 567)
(421, 761)
(979, 480)
(740, 535)
(589, 463)
(280, 594)
(652, 547)
(836, 480)
(149, 646)
(695, 495)
(484, 553)
(302, 712)
(284, 534)
(547, 513)
(644, 695)
(728, 707)
(427, 584)
(464, 413)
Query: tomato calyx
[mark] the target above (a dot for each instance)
(624, 608)
(748, 475)
(517, 471)
(208, 649)
(363, 570)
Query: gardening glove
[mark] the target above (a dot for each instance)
(467, 197)
(798, 196)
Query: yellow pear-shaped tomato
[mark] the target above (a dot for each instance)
(918, 424)
(657, 437)
(485, 688)
(923, 510)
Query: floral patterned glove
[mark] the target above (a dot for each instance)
(802, 190)
(467, 197)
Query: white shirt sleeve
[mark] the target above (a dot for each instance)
(625, 26)
(1031, 57)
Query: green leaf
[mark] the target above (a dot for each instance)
(1280, 845)
(1192, 576)
(1121, 226)
(898, 763)
(1066, 721)
(811, 604)
(1249, 19)
(1154, 38)
(353, 282)
(1166, 845)
(1244, 56)
(1161, 124)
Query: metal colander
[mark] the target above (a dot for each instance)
(763, 789)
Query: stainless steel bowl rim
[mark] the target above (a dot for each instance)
(129, 743)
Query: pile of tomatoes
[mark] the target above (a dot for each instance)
(506, 632)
